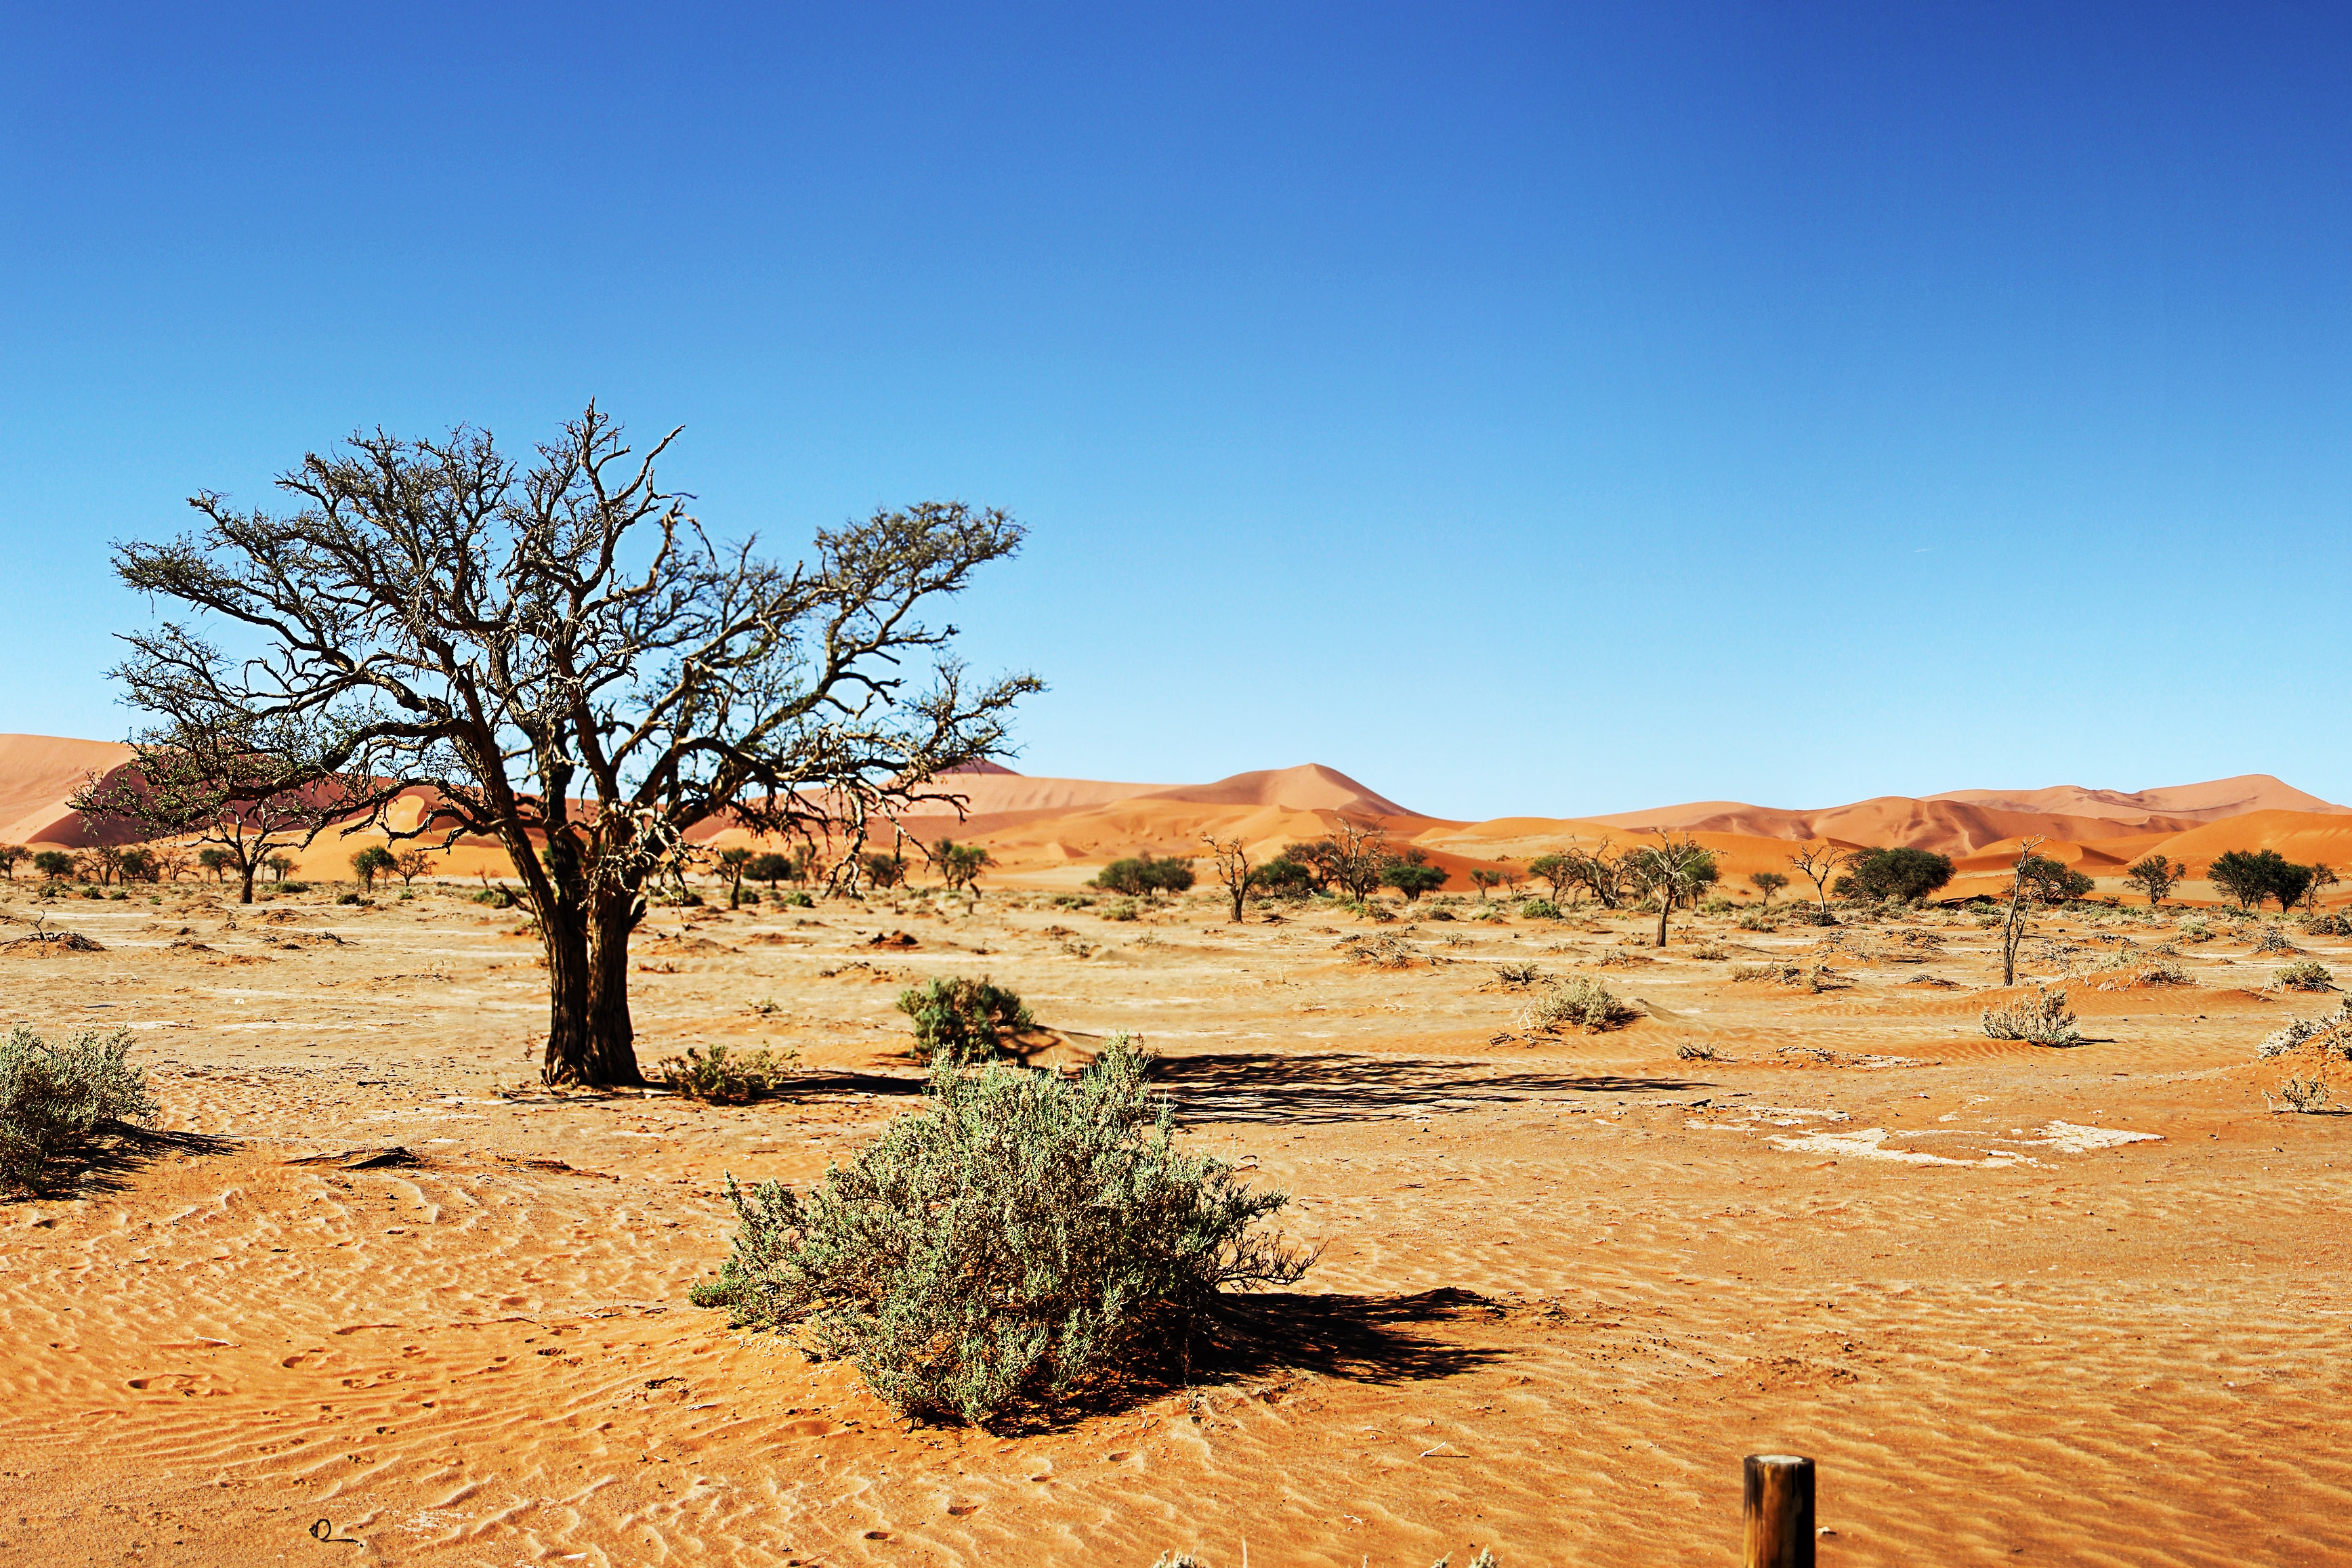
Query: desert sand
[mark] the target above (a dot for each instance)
(375, 1285)
(370, 1282)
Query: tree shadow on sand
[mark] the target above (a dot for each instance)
(1270, 1086)
(110, 1158)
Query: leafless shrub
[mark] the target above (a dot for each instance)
(2042, 1021)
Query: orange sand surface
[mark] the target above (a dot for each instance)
(373, 1284)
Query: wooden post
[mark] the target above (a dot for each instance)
(1776, 1505)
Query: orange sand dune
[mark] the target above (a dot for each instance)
(2209, 801)
(36, 773)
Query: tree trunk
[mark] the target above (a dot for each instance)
(1238, 892)
(245, 894)
(611, 1033)
(1666, 906)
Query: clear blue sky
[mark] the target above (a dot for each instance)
(1524, 409)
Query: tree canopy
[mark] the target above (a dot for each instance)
(553, 654)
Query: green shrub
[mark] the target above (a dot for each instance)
(1540, 909)
(725, 1077)
(347, 898)
(1142, 874)
(1517, 976)
(2306, 975)
(2327, 922)
(962, 1019)
(1021, 1240)
(291, 887)
(1072, 901)
(1579, 1001)
(1757, 920)
(796, 899)
(56, 1100)
(495, 897)
(1121, 909)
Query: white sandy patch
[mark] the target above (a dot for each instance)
(2067, 1139)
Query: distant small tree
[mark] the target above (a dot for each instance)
(280, 867)
(2157, 876)
(371, 862)
(1484, 881)
(1283, 878)
(55, 865)
(769, 867)
(1558, 871)
(1910, 875)
(1139, 875)
(214, 860)
(733, 864)
(243, 786)
(1410, 873)
(2027, 882)
(2323, 875)
(960, 865)
(2250, 877)
(1229, 860)
(9, 855)
(884, 870)
(1350, 857)
(410, 864)
(1767, 883)
(1667, 869)
(1819, 863)
(136, 863)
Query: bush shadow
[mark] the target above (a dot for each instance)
(111, 1157)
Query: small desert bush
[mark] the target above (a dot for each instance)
(1517, 976)
(1579, 1001)
(57, 1099)
(1757, 920)
(2042, 1019)
(1072, 901)
(1810, 915)
(1383, 952)
(1708, 947)
(1122, 909)
(1717, 905)
(1539, 909)
(495, 897)
(2300, 1032)
(2273, 940)
(1692, 1052)
(2306, 975)
(2195, 928)
(796, 899)
(2308, 1095)
(962, 1019)
(2327, 922)
(726, 1077)
(1022, 1238)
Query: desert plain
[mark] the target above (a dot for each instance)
(370, 1293)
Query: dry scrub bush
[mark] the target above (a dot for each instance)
(1578, 1001)
(2327, 922)
(725, 1077)
(1517, 976)
(962, 1019)
(57, 1100)
(2307, 1095)
(2301, 1032)
(2042, 1020)
(2273, 940)
(2194, 928)
(2306, 975)
(1710, 948)
(1381, 952)
(1021, 1240)
(1757, 920)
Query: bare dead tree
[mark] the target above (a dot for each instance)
(2021, 894)
(1666, 870)
(1819, 863)
(1231, 859)
(558, 657)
